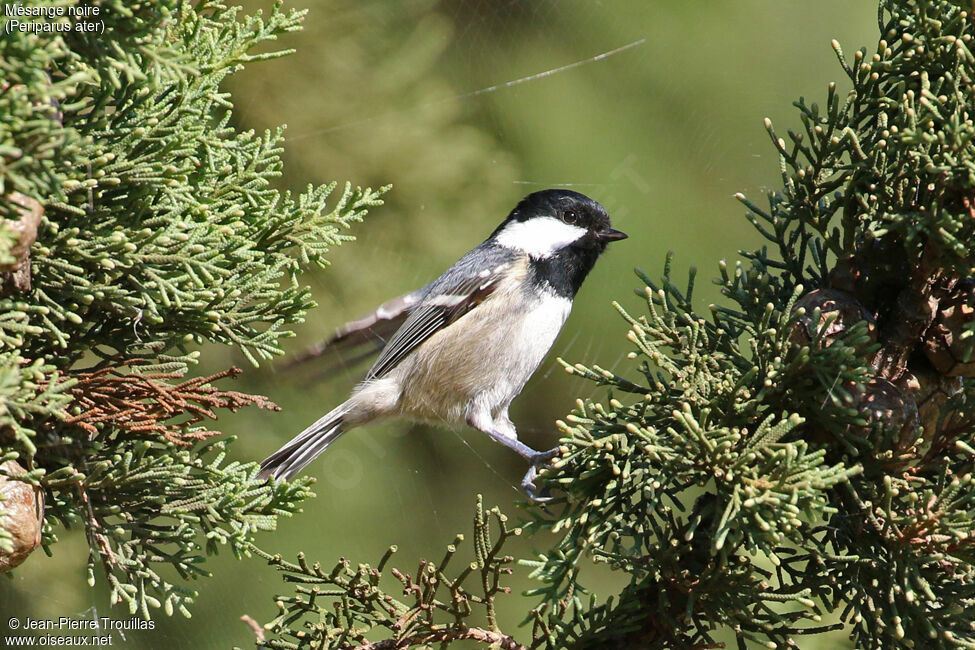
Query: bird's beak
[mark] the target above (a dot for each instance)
(609, 235)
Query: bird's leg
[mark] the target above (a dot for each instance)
(511, 443)
(507, 436)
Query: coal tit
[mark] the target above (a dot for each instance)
(473, 337)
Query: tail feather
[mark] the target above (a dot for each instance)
(301, 450)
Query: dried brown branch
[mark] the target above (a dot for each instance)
(142, 404)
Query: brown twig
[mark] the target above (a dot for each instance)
(447, 635)
(254, 626)
(96, 538)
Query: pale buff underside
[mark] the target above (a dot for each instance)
(448, 385)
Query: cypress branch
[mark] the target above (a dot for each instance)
(137, 223)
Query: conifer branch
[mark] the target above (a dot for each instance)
(154, 227)
(339, 608)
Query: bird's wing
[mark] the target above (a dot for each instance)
(459, 290)
(366, 335)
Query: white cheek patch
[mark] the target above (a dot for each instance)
(539, 237)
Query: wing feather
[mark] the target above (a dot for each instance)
(459, 290)
(365, 336)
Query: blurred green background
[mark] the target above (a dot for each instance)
(421, 94)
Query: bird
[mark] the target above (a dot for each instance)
(469, 341)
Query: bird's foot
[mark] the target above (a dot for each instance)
(537, 460)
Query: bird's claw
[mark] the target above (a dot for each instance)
(528, 482)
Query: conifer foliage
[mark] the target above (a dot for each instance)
(795, 460)
(137, 224)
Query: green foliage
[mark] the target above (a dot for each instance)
(168, 218)
(163, 500)
(341, 607)
(799, 459)
(162, 229)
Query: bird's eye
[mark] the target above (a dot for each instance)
(570, 216)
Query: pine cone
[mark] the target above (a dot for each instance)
(943, 344)
(875, 273)
(15, 277)
(21, 515)
(893, 425)
(843, 308)
(930, 391)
